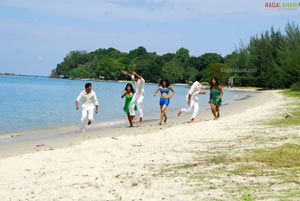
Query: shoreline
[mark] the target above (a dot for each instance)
(180, 161)
(49, 139)
(117, 120)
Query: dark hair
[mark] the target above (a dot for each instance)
(198, 77)
(164, 80)
(130, 85)
(217, 82)
(87, 85)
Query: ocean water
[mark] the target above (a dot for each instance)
(30, 103)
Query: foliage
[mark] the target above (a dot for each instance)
(295, 87)
(270, 60)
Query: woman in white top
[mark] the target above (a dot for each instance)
(89, 101)
(138, 97)
(192, 99)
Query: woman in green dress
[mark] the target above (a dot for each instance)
(128, 94)
(215, 98)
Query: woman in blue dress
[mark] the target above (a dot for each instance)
(164, 88)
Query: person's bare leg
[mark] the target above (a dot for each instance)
(140, 122)
(133, 119)
(179, 113)
(213, 110)
(166, 118)
(130, 120)
(162, 113)
(218, 111)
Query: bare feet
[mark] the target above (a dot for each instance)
(192, 120)
(179, 113)
(140, 122)
(133, 119)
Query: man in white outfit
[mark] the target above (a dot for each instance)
(138, 97)
(89, 101)
(192, 99)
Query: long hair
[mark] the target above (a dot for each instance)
(131, 87)
(164, 80)
(218, 84)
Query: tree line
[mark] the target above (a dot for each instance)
(270, 60)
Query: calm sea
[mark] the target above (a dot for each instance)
(30, 103)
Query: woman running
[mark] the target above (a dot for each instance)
(164, 88)
(138, 97)
(128, 94)
(215, 98)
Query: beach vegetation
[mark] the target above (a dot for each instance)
(284, 156)
(295, 87)
(292, 116)
(269, 60)
(246, 197)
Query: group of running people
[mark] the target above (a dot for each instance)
(134, 99)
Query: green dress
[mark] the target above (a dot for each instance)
(215, 93)
(128, 99)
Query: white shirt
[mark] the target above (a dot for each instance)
(194, 90)
(139, 86)
(88, 100)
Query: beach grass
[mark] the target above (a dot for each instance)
(268, 172)
(291, 93)
(285, 156)
(271, 166)
(292, 115)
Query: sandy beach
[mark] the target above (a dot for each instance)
(152, 162)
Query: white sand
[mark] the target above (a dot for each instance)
(125, 167)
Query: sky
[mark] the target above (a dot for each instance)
(35, 35)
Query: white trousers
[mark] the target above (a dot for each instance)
(194, 104)
(86, 113)
(137, 100)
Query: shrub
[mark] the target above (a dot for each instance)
(295, 87)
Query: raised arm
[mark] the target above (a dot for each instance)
(137, 75)
(173, 91)
(126, 73)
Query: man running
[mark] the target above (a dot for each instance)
(192, 99)
(89, 101)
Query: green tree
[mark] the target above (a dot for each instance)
(71, 61)
(173, 71)
(290, 55)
